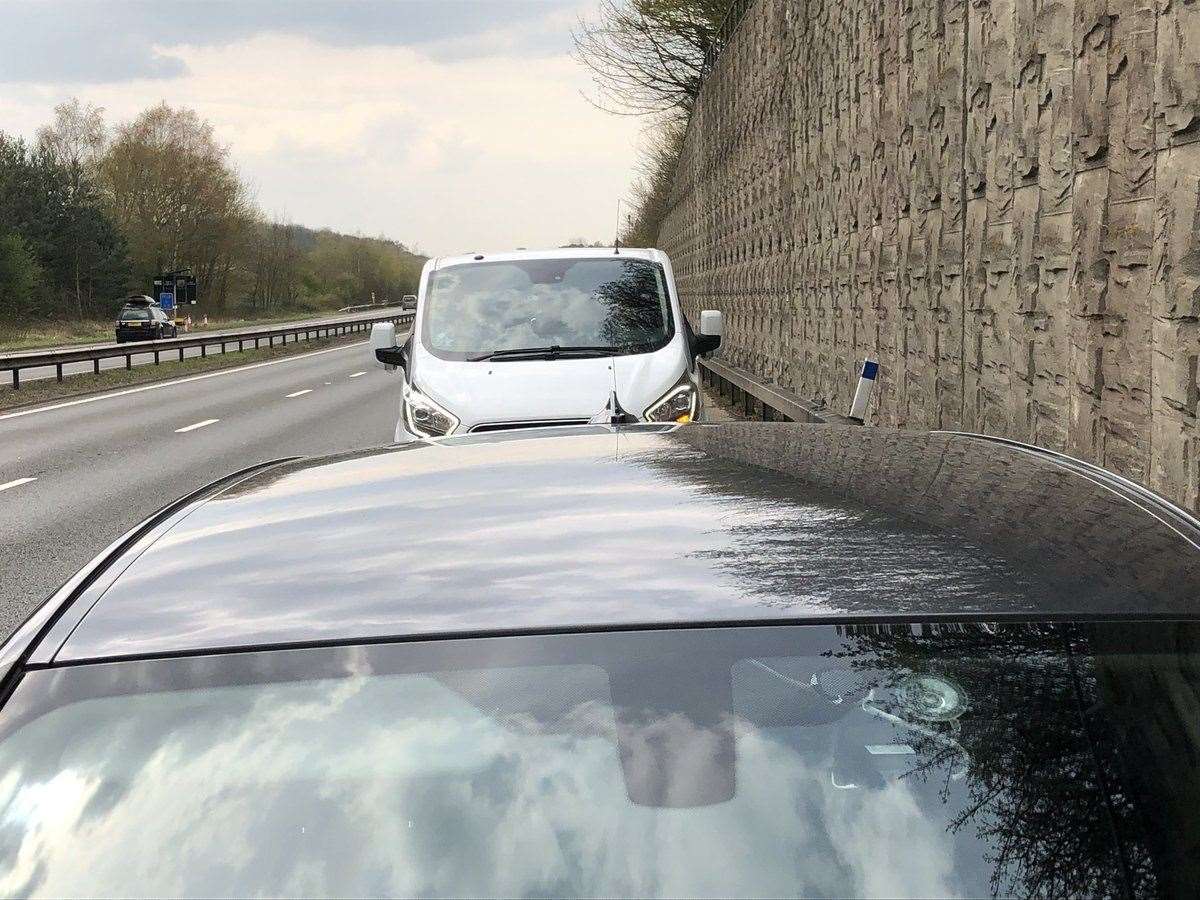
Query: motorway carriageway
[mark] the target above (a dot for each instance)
(78, 473)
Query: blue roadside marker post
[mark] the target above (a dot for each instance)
(862, 394)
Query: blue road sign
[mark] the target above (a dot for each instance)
(166, 300)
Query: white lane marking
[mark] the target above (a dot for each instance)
(356, 374)
(163, 384)
(328, 383)
(194, 426)
(17, 483)
(299, 393)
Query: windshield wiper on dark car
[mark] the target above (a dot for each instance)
(551, 352)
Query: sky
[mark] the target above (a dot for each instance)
(450, 125)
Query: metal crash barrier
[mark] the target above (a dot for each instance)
(757, 400)
(39, 359)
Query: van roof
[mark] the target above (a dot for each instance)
(479, 256)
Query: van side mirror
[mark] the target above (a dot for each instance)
(711, 327)
(392, 358)
(383, 346)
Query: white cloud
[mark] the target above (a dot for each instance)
(447, 151)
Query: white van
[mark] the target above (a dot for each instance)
(543, 338)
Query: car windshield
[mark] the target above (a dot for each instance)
(479, 308)
(909, 760)
(135, 315)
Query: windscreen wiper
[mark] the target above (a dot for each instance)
(551, 352)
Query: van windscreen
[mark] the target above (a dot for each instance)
(480, 308)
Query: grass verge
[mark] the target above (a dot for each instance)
(45, 390)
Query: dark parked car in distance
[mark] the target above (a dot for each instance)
(749, 659)
(141, 319)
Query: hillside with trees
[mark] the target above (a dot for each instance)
(647, 59)
(89, 213)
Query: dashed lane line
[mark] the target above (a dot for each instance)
(356, 374)
(195, 425)
(299, 393)
(15, 483)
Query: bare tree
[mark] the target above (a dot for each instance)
(77, 137)
(647, 56)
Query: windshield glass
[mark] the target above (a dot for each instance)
(789, 760)
(135, 315)
(606, 302)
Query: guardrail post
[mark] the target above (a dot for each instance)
(239, 345)
(128, 360)
(156, 357)
(222, 348)
(58, 372)
(181, 354)
(203, 351)
(16, 379)
(95, 367)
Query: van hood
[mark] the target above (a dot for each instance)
(534, 390)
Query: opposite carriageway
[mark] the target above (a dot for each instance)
(16, 363)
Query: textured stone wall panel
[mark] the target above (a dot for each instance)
(997, 199)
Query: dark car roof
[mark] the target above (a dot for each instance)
(599, 528)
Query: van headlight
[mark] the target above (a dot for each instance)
(423, 417)
(680, 404)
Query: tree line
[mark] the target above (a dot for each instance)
(89, 214)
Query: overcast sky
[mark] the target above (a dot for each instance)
(452, 125)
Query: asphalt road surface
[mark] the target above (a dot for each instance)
(75, 475)
(147, 357)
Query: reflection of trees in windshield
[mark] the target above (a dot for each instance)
(1051, 778)
(635, 306)
(532, 303)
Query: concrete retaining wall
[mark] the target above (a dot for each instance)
(998, 200)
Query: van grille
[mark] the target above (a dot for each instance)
(541, 423)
